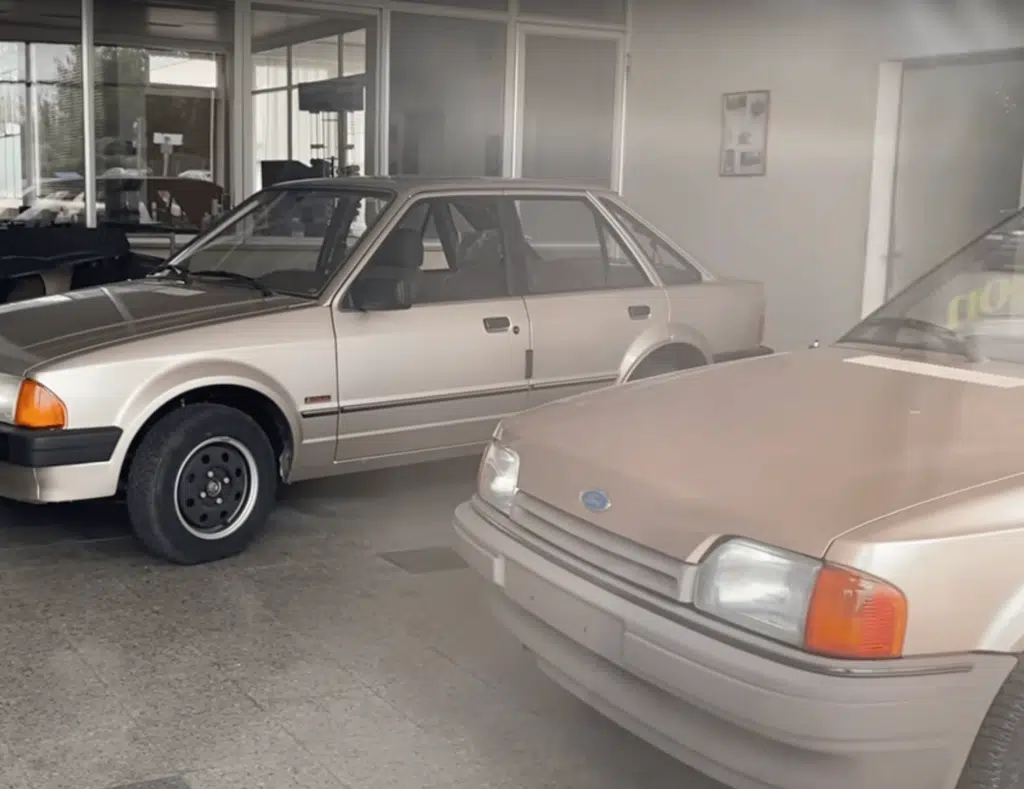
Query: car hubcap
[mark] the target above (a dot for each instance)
(216, 487)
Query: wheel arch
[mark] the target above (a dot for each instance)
(670, 340)
(246, 393)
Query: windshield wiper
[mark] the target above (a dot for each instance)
(234, 276)
(951, 340)
(174, 269)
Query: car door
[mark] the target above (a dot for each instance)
(587, 298)
(435, 378)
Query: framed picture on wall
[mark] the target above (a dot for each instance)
(744, 133)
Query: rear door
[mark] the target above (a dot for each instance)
(587, 298)
(440, 375)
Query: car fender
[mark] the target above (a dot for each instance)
(178, 380)
(656, 337)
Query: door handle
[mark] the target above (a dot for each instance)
(495, 325)
(640, 312)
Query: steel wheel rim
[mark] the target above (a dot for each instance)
(216, 487)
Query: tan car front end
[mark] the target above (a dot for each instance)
(610, 597)
(110, 378)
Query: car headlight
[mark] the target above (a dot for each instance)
(801, 601)
(498, 478)
(10, 385)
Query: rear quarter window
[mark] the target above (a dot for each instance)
(673, 268)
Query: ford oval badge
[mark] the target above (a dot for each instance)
(595, 500)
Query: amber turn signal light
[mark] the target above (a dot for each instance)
(855, 616)
(39, 407)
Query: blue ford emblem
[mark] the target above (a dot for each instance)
(595, 500)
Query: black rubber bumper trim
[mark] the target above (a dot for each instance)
(751, 353)
(33, 448)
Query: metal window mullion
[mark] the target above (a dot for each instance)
(32, 110)
(289, 73)
(512, 106)
(383, 158)
(88, 61)
(625, 63)
(242, 150)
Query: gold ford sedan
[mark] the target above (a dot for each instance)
(331, 326)
(795, 572)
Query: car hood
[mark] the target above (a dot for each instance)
(792, 450)
(45, 329)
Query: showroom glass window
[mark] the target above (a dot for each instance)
(41, 156)
(606, 12)
(447, 96)
(161, 113)
(313, 93)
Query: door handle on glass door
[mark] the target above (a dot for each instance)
(497, 324)
(639, 312)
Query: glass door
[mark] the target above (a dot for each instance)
(959, 159)
(569, 124)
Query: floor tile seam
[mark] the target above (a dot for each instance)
(95, 672)
(284, 729)
(133, 715)
(454, 661)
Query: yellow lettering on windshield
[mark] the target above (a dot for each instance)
(981, 302)
(964, 309)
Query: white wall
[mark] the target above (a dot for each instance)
(801, 229)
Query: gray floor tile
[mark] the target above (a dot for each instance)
(97, 757)
(174, 782)
(435, 559)
(285, 667)
(58, 713)
(366, 742)
(216, 741)
(296, 771)
(11, 774)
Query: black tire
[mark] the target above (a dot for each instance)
(996, 760)
(649, 368)
(165, 482)
(670, 361)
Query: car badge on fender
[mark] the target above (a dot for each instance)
(595, 500)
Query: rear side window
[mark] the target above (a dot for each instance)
(672, 267)
(569, 248)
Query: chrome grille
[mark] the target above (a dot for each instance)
(601, 550)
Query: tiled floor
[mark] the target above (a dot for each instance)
(335, 653)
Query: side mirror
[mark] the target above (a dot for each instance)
(381, 294)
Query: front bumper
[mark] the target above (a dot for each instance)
(41, 466)
(750, 714)
(31, 448)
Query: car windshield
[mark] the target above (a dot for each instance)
(971, 305)
(288, 240)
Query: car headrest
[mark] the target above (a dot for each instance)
(403, 248)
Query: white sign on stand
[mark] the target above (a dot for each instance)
(167, 143)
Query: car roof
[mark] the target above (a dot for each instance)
(416, 184)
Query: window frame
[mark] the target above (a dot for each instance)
(600, 218)
(611, 207)
(445, 228)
